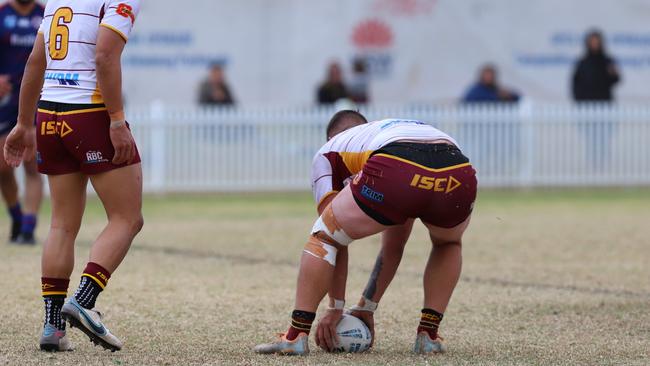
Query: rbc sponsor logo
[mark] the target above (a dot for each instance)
(371, 194)
(94, 157)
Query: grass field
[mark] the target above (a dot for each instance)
(551, 278)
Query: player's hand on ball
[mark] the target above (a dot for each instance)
(123, 143)
(20, 145)
(368, 318)
(326, 337)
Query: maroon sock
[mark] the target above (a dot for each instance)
(429, 322)
(93, 281)
(300, 323)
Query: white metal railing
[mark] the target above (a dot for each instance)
(195, 149)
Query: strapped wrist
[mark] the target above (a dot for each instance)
(117, 116)
(365, 305)
(338, 304)
(117, 124)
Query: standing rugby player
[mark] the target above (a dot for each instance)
(399, 170)
(19, 22)
(81, 135)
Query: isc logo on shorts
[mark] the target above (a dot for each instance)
(55, 128)
(94, 157)
(445, 185)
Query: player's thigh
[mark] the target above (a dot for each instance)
(68, 199)
(120, 191)
(351, 218)
(441, 235)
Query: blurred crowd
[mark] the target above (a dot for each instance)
(594, 77)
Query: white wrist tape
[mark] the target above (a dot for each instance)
(366, 305)
(338, 305)
(117, 124)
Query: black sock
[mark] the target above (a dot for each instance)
(87, 292)
(300, 323)
(53, 305)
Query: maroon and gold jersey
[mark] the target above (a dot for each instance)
(344, 155)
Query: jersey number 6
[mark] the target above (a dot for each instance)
(60, 34)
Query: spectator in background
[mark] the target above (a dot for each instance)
(594, 78)
(487, 88)
(214, 90)
(359, 85)
(596, 73)
(333, 88)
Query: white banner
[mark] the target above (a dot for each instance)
(419, 50)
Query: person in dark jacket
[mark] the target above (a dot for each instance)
(593, 80)
(487, 88)
(333, 88)
(214, 90)
(596, 73)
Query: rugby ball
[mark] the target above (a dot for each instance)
(354, 335)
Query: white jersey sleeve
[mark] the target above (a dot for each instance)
(120, 16)
(321, 178)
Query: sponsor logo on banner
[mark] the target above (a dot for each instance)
(405, 7)
(373, 40)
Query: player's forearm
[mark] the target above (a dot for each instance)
(339, 280)
(30, 89)
(393, 241)
(383, 273)
(109, 78)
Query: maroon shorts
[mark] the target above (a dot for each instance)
(433, 182)
(74, 138)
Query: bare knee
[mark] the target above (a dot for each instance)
(132, 223)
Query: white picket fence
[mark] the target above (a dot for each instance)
(264, 149)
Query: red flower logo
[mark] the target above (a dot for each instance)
(126, 11)
(372, 33)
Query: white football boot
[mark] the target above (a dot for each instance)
(54, 340)
(90, 322)
(283, 346)
(424, 345)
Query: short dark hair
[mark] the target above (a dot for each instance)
(343, 115)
